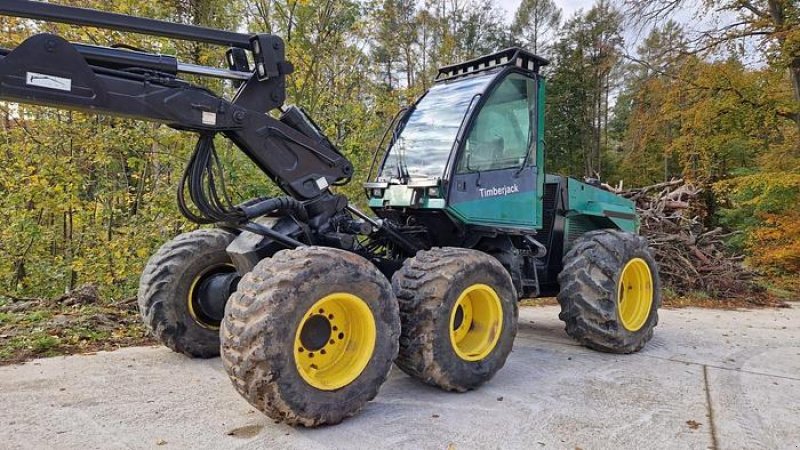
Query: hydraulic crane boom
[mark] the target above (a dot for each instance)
(48, 70)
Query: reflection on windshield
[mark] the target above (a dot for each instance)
(423, 147)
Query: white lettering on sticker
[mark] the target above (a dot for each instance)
(501, 191)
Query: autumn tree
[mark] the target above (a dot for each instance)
(737, 125)
(771, 26)
(535, 25)
(641, 125)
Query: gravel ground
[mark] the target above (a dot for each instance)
(709, 379)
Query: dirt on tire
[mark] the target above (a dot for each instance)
(427, 288)
(165, 285)
(261, 322)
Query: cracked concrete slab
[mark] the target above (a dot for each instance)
(741, 367)
(755, 411)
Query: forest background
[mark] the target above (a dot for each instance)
(639, 91)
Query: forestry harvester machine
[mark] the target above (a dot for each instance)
(309, 300)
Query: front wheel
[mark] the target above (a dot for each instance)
(459, 314)
(183, 290)
(610, 291)
(310, 335)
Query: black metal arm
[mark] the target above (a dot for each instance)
(88, 17)
(291, 150)
(47, 70)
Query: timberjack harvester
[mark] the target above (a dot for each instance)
(294, 292)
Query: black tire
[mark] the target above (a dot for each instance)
(428, 288)
(264, 317)
(590, 284)
(165, 287)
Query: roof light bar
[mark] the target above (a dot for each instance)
(518, 57)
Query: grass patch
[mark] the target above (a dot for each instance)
(37, 317)
(44, 345)
(42, 328)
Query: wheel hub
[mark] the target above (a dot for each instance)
(635, 294)
(316, 333)
(335, 341)
(476, 322)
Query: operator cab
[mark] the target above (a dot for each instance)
(469, 151)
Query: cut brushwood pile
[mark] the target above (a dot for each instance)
(692, 257)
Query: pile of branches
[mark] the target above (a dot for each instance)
(691, 256)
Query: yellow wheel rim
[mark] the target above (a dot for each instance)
(335, 341)
(476, 322)
(635, 294)
(191, 299)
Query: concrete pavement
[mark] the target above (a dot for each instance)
(709, 379)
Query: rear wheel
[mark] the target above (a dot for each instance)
(459, 317)
(610, 291)
(310, 335)
(183, 290)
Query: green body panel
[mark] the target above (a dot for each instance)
(591, 208)
(584, 199)
(512, 210)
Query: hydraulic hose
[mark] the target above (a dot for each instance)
(205, 182)
(286, 205)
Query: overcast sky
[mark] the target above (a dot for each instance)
(568, 6)
(689, 15)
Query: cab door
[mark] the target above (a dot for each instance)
(494, 181)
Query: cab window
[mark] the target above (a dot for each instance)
(503, 133)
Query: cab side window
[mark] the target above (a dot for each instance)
(503, 133)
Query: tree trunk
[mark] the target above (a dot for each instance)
(778, 14)
(795, 75)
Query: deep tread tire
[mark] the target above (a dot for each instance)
(261, 320)
(427, 288)
(164, 289)
(588, 296)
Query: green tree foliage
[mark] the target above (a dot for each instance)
(719, 121)
(88, 199)
(536, 23)
(586, 59)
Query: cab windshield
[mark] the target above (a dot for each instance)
(425, 142)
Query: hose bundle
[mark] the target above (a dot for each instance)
(205, 180)
(200, 178)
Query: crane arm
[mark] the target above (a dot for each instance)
(48, 70)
